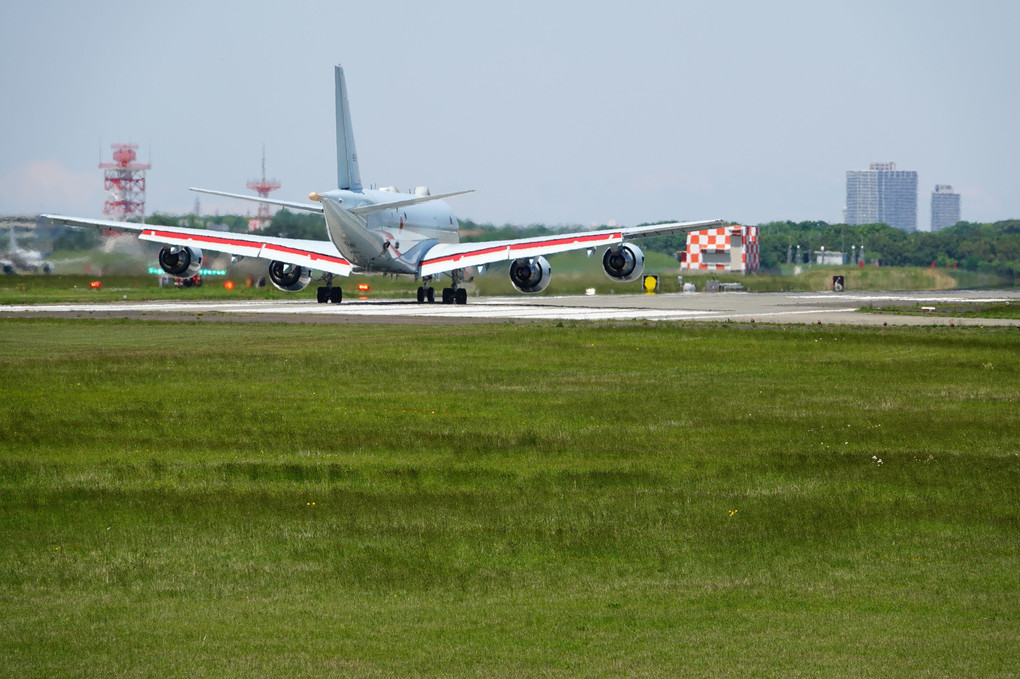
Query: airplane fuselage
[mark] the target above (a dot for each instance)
(386, 240)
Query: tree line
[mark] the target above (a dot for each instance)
(987, 248)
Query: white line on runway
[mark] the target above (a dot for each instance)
(906, 298)
(485, 310)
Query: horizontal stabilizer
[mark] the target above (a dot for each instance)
(380, 207)
(258, 199)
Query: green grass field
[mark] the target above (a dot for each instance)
(226, 500)
(959, 310)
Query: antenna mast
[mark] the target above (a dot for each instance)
(262, 187)
(124, 181)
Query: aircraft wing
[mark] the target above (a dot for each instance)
(314, 254)
(451, 256)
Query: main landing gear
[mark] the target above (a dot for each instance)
(452, 295)
(327, 293)
(426, 294)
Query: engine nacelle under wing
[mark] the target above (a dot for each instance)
(179, 260)
(289, 277)
(530, 275)
(624, 263)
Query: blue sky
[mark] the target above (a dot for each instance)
(556, 112)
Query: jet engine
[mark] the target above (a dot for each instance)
(530, 275)
(180, 260)
(289, 277)
(624, 263)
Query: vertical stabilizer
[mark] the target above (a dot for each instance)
(347, 174)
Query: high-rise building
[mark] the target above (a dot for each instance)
(882, 194)
(945, 207)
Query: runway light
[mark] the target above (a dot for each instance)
(95, 285)
(229, 285)
(363, 287)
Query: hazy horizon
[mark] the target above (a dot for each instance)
(556, 113)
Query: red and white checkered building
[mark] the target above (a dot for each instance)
(726, 248)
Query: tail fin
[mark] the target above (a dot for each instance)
(347, 174)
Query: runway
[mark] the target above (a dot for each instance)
(798, 308)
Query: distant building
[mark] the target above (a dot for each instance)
(945, 207)
(726, 248)
(824, 256)
(882, 194)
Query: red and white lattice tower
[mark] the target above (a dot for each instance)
(124, 181)
(262, 187)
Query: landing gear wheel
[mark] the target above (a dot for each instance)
(322, 295)
(430, 295)
(447, 295)
(421, 295)
(460, 296)
(336, 295)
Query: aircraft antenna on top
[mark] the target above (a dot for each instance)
(262, 187)
(124, 181)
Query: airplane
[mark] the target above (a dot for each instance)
(28, 261)
(385, 231)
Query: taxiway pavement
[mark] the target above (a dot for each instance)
(778, 307)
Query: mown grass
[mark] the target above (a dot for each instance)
(959, 310)
(507, 500)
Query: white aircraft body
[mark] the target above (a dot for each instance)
(17, 260)
(385, 231)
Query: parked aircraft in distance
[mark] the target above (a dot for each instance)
(385, 231)
(17, 260)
